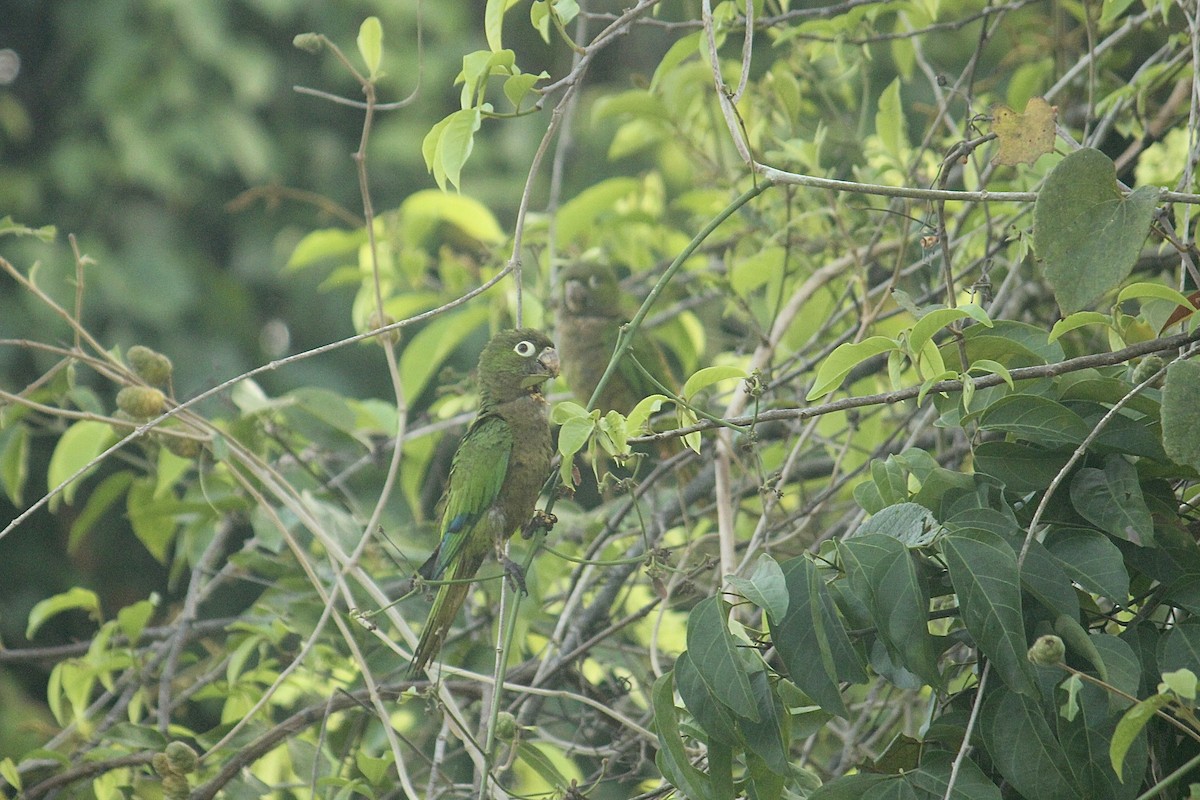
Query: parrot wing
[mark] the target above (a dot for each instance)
(476, 476)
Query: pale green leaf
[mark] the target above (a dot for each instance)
(1078, 320)
(708, 376)
(74, 598)
(845, 357)
(77, 447)
(370, 44)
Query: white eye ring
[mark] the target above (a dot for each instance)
(524, 348)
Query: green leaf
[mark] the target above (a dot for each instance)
(1181, 413)
(1181, 647)
(1019, 466)
(326, 244)
(493, 22)
(883, 576)
(672, 759)
(714, 653)
(810, 637)
(767, 737)
(9, 228)
(890, 123)
(987, 366)
(518, 87)
(1035, 418)
(455, 145)
(370, 45)
(155, 519)
(429, 216)
(707, 377)
(1130, 728)
(935, 320)
(74, 598)
(1023, 748)
(1111, 499)
(1156, 291)
(647, 407)
(766, 588)
(582, 213)
(845, 357)
(1182, 682)
(1078, 320)
(717, 721)
(983, 570)
(1085, 232)
(14, 462)
(79, 445)
(133, 618)
(912, 524)
(373, 769)
(533, 755)
(1091, 559)
(10, 773)
(425, 353)
(933, 778)
(684, 47)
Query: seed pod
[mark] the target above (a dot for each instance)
(506, 727)
(141, 402)
(184, 448)
(1147, 367)
(175, 787)
(151, 366)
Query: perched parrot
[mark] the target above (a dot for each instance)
(495, 476)
(589, 320)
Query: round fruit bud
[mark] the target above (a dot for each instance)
(151, 366)
(506, 727)
(1147, 368)
(1047, 651)
(183, 758)
(161, 764)
(175, 787)
(184, 448)
(378, 320)
(141, 402)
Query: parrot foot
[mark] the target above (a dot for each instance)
(542, 520)
(516, 575)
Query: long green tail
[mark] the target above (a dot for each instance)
(449, 600)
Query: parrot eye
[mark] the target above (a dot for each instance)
(524, 348)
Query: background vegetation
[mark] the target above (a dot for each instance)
(926, 272)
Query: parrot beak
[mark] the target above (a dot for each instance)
(549, 361)
(575, 296)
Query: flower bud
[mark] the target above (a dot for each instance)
(141, 402)
(1047, 651)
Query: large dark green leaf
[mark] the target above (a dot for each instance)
(1020, 467)
(983, 569)
(716, 720)
(1091, 559)
(912, 524)
(809, 634)
(767, 738)
(1036, 419)
(883, 575)
(1111, 499)
(1181, 413)
(1180, 648)
(765, 588)
(671, 758)
(1024, 749)
(714, 654)
(1087, 235)
(933, 776)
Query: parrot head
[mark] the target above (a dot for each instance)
(515, 363)
(590, 289)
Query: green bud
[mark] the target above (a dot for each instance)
(1147, 367)
(308, 42)
(151, 366)
(506, 727)
(161, 764)
(183, 758)
(175, 787)
(1047, 651)
(141, 402)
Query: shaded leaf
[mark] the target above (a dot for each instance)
(983, 569)
(1181, 413)
(1023, 748)
(715, 656)
(1111, 499)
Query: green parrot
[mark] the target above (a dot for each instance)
(588, 323)
(495, 476)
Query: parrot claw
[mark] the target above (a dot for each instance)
(541, 520)
(516, 575)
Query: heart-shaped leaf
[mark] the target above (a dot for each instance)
(1086, 233)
